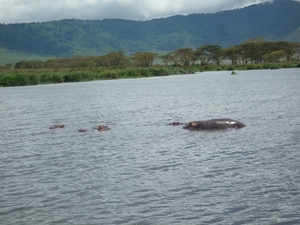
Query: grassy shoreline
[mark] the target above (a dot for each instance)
(23, 77)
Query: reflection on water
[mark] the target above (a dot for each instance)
(143, 171)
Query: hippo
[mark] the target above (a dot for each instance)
(102, 128)
(57, 127)
(82, 130)
(176, 123)
(223, 123)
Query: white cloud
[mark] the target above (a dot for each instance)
(23, 11)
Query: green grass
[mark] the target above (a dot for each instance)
(22, 77)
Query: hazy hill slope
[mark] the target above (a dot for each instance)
(277, 21)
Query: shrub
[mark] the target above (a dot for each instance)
(159, 71)
(5, 81)
(14, 80)
(230, 68)
(21, 80)
(77, 76)
(33, 79)
(250, 67)
(206, 67)
(258, 67)
(132, 73)
(67, 78)
(86, 76)
(56, 78)
(266, 66)
(108, 74)
(98, 75)
(45, 78)
(274, 67)
(145, 72)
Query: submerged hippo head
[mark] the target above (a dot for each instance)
(102, 127)
(195, 125)
(82, 130)
(176, 123)
(57, 127)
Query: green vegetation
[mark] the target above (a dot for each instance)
(252, 54)
(24, 77)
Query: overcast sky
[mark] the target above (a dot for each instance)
(24, 11)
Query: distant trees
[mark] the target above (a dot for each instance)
(7, 66)
(232, 54)
(209, 53)
(253, 51)
(274, 56)
(143, 59)
(180, 57)
(166, 59)
(188, 56)
(31, 64)
(258, 51)
(113, 59)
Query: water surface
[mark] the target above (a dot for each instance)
(143, 171)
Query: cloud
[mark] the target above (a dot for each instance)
(24, 11)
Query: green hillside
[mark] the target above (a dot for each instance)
(279, 20)
(11, 56)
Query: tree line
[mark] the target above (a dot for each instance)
(253, 51)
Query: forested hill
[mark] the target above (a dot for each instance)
(272, 21)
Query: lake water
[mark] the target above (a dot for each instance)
(143, 171)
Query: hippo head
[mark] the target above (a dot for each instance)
(82, 130)
(194, 125)
(57, 127)
(102, 127)
(176, 123)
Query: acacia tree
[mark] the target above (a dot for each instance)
(174, 57)
(114, 59)
(249, 52)
(297, 52)
(258, 48)
(289, 49)
(209, 53)
(184, 56)
(166, 59)
(7, 66)
(232, 53)
(258, 51)
(29, 64)
(274, 56)
(144, 59)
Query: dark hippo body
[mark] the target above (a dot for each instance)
(82, 130)
(223, 123)
(176, 123)
(102, 128)
(57, 127)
